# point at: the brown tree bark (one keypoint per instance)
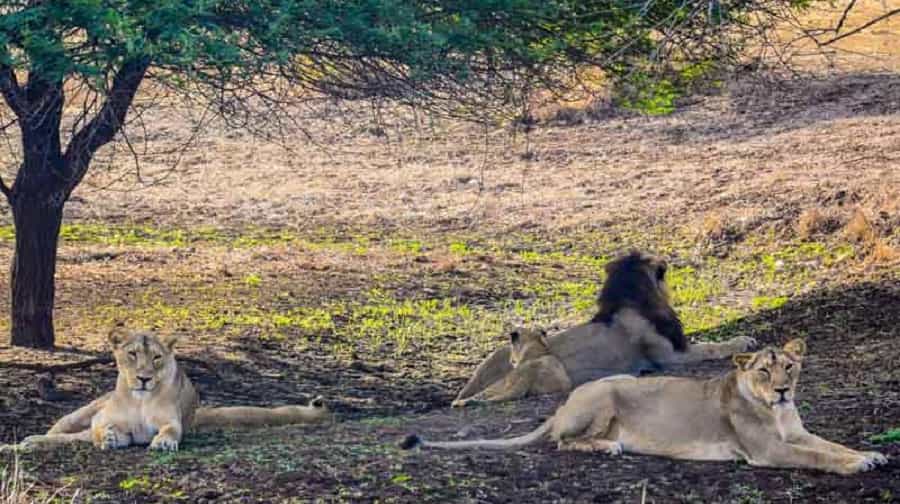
(37, 223)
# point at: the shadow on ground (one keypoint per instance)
(754, 108)
(850, 391)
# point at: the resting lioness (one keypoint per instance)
(154, 403)
(747, 414)
(536, 370)
(634, 330)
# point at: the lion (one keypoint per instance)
(154, 403)
(635, 330)
(747, 414)
(536, 370)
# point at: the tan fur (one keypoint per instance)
(629, 342)
(154, 403)
(534, 371)
(748, 414)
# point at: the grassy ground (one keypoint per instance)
(378, 266)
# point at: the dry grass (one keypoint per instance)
(860, 229)
(15, 489)
(884, 254)
(718, 230)
(813, 222)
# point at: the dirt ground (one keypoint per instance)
(377, 259)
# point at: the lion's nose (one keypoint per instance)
(782, 390)
(144, 380)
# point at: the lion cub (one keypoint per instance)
(535, 370)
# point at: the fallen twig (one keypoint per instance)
(70, 366)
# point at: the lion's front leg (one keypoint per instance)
(108, 436)
(80, 419)
(515, 386)
(505, 390)
(812, 441)
(698, 352)
(492, 370)
(779, 454)
(168, 437)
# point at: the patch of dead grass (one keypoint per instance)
(718, 228)
(813, 222)
(884, 253)
(860, 229)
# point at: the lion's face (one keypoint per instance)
(527, 344)
(144, 361)
(770, 375)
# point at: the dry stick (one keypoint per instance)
(860, 28)
(57, 368)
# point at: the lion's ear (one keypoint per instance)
(169, 341)
(117, 336)
(742, 360)
(661, 269)
(796, 348)
(544, 338)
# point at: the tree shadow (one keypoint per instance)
(853, 334)
(752, 108)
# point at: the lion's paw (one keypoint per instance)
(876, 458)
(459, 403)
(18, 447)
(866, 462)
(112, 439)
(164, 442)
(615, 448)
(31, 442)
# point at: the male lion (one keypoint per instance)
(154, 403)
(746, 414)
(634, 330)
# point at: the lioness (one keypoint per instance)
(154, 402)
(635, 329)
(536, 370)
(747, 414)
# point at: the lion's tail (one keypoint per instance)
(250, 416)
(532, 437)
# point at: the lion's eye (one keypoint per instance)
(765, 372)
(133, 355)
(789, 367)
(157, 358)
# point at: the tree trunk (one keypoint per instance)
(37, 222)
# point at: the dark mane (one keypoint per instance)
(628, 285)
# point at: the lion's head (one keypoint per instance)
(527, 344)
(638, 281)
(144, 360)
(770, 375)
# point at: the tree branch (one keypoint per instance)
(859, 28)
(5, 189)
(840, 23)
(108, 121)
(12, 93)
